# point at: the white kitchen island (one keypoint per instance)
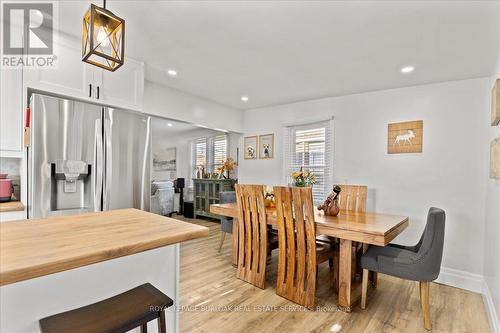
(48, 266)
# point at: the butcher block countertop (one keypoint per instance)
(38, 247)
(11, 206)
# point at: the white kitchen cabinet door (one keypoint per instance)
(71, 77)
(11, 110)
(123, 87)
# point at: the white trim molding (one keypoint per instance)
(490, 309)
(461, 279)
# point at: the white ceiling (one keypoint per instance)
(178, 128)
(161, 125)
(278, 52)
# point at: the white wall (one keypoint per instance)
(167, 102)
(182, 142)
(450, 173)
(492, 228)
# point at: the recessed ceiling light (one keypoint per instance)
(170, 125)
(172, 72)
(244, 99)
(407, 69)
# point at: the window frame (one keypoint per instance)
(209, 165)
(290, 152)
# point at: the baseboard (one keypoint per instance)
(460, 279)
(490, 309)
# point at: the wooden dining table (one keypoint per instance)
(349, 226)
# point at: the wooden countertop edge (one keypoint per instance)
(11, 206)
(27, 273)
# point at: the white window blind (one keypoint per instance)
(209, 153)
(310, 146)
(200, 153)
(219, 151)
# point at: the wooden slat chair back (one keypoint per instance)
(252, 234)
(297, 245)
(353, 197)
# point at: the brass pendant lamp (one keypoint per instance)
(103, 38)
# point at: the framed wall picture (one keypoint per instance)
(266, 146)
(405, 137)
(251, 144)
(495, 104)
(495, 159)
(165, 160)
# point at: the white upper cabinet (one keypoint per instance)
(11, 110)
(124, 87)
(71, 76)
(74, 78)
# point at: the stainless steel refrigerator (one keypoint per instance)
(86, 158)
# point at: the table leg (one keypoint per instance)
(345, 267)
(234, 259)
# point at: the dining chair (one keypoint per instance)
(421, 262)
(226, 223)
(299, 253)
(351, 198)
(254, 241)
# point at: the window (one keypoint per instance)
(219, 151)
(200, 153)
(310, 147)
(209, 153)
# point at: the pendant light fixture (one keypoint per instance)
(103, 38)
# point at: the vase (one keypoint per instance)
(300, 183)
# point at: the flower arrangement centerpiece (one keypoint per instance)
(228, 166)
(303, 178)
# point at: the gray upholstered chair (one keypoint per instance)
(421, 262)
(226, 223)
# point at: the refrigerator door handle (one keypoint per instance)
(98, 178)
(108, 153)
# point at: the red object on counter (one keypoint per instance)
(5, 188)
(28, 117)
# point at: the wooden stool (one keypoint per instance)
(118, 314)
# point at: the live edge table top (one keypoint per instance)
(365, 227)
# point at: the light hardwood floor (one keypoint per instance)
(214, 300)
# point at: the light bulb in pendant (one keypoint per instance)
(102, 37)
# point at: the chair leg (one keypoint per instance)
(424, 300)
(144, 328)
(364, 288)
(162, 327)
(222, 237)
